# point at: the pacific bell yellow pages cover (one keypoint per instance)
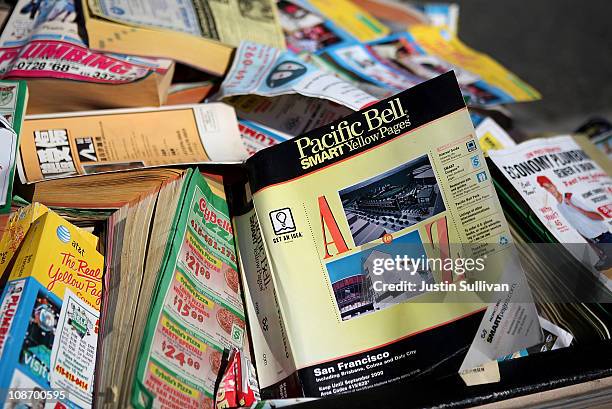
(331, 309)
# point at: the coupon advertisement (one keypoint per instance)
(217, 274)
(198, 313)
(73, 356)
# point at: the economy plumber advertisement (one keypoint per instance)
(569, 193)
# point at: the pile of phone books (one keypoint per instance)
(246, 239)
(173, 242)
(176, 246)
(104, 55)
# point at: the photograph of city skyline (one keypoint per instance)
(392, 201)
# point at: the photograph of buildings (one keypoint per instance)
(353, 278)
(392, 201)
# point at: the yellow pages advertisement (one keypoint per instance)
(49, 312)
(376, 250)
(82, 143)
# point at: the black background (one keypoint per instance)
(563, 48)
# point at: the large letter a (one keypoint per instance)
(327, 219)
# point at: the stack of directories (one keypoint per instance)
(179, 292)
(98, 54)
(239, 235)
(173, 242)
(49, 310)
(172, 302)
